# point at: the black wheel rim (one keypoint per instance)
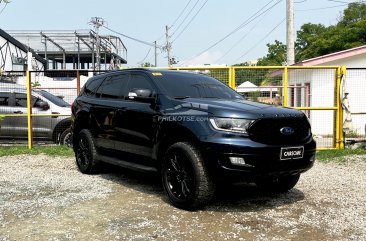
(83, 156)
(179, 177)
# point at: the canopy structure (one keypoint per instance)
(74, 49)
(246, 87)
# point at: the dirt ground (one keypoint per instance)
(46, 198)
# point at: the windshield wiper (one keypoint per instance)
(212, 97)
(181, 97)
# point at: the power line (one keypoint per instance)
(134, 39)
(145, 56)
(199, 10)
(269, 33)
(337, 1)
(185, 18)
(242, 38)
(313, 9)
(6, 4)
(243, 24)
(180, 14)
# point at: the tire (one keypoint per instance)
(185, 178)
(85, 153)
(278, 184)
(66, 138)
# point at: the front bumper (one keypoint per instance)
(261, 160)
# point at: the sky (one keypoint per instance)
(201, 32)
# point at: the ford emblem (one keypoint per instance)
(287, 131)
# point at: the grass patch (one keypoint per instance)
(330, 154)
(48, 150)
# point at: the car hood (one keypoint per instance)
(231, 108)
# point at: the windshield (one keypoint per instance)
(54, 99)
(182, 85)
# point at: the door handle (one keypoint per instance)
(18, 112)
(54, 113)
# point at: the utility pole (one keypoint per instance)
(168, 45)
(97, 22)
(290, 33)
(156, 56)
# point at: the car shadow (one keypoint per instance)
(237, 197)
(247, 197)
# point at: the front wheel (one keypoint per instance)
(278, 184)
(185, 177)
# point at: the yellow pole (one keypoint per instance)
(29, 114)
(285, 87)
(341, 73)
(232, 82)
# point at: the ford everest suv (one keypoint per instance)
(194, 130)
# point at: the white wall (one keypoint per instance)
(322, 87)
(356, 86)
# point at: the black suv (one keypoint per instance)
(193, 129)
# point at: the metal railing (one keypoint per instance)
(313, 90)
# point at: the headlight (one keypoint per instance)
(231, 124)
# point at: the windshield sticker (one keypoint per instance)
(157, 74)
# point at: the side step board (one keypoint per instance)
(126, 164)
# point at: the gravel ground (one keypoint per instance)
(46, 198)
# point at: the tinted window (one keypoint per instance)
(112, 87)
(184, 85)
(139, 81)
(91, 86)
(4, 99)
(54, 99)
(21, 100)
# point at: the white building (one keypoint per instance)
(316, 88)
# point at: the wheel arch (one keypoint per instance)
(60, 127)
(170, 134)
(80, 121)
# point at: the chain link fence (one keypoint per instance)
(355, 86)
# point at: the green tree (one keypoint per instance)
(276, 55)
(147, 64)
(314, 40)
(306, 36)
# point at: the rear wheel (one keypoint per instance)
(278, 184)
(185, 177)
(85, 153)
(66, 138)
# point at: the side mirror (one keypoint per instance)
(142, 95)
(42, 104)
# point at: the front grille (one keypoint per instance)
(267, 131)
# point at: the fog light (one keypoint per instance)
(238, 161)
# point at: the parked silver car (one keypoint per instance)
(13, 102)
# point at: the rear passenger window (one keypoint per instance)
(21, 100)
(91, 86)
(112, 87)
